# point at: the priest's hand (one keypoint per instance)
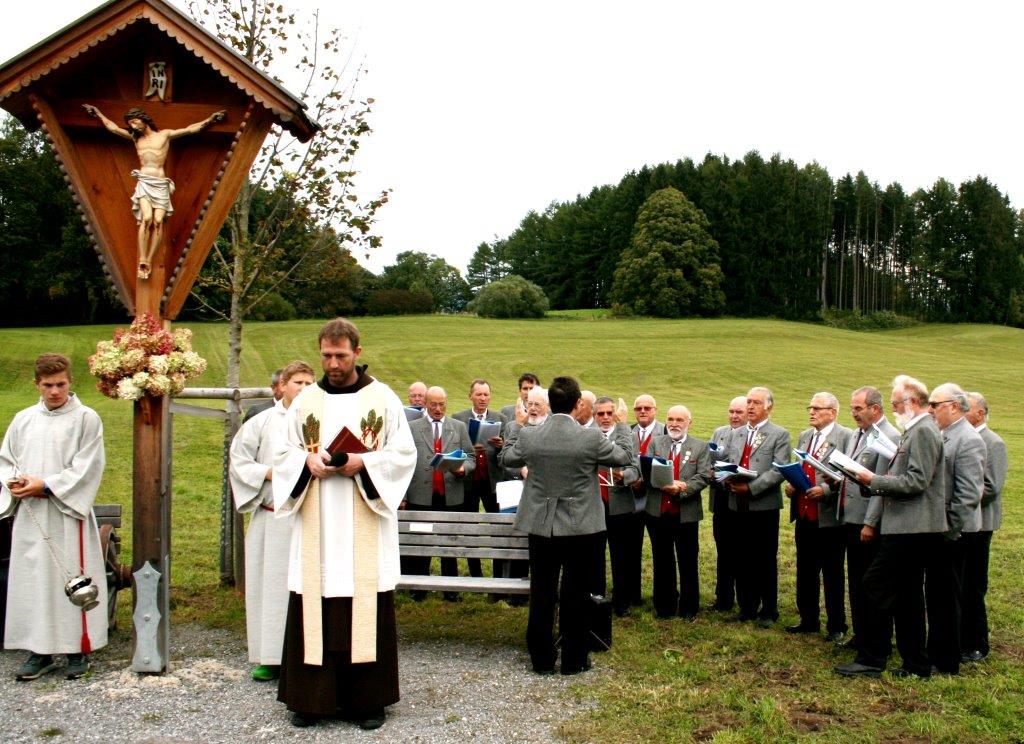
(30, 486)
(353, 466)
(317, 464)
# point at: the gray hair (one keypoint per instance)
(831, 400)
(955, 393)
(872, 395)
(538, 392)
(602, 400)
(768, 397)
(911, 387)
(977, 399)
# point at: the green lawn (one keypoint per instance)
(669, 681)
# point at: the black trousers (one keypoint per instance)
(819, 561)
(974, 616)
(338, 687)
(626, 546)
(859, 556)
(420, 565)
(571, 559)
(757, 564)
(723, 528)
(674, 546)
(894, 587)
(943, 583)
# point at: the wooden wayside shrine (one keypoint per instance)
(147, 54)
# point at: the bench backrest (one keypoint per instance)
(107, 514)
(460, 535)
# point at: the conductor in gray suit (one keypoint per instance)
(820, 543)
(974, 621)
(964, 461)
(757, 504)
(561, 511)
(855, 505)
(913, 520)
(434, 490)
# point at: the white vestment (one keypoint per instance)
(390, 469)
(154, 189)
(267, 539)
(64, 447)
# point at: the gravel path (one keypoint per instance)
(449, 694)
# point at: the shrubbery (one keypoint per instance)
(851, 321)
(511, 297)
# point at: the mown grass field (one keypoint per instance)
(666, 681)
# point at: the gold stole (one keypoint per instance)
(365, 544)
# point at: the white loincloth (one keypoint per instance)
(157, 191)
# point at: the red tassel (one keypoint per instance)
(86, 643)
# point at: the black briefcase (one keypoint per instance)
(600, 622)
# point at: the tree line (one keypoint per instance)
(50, 274)
(792, 242)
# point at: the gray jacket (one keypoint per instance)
(773, 445)
(912, 489)
(454, 435)
(995, 478)
(860, 507)
(493, 468)
(561, 495)
(963, 452)
(622, 498)
(694, 469)
(717, 494)
(828, 507)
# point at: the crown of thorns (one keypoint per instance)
(137, 113)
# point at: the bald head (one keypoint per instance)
(645, 409)
(677, 421)
(585, 410)
(738, 411)
(417, 394)
(437, 402)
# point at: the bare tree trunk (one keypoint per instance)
(855, 259)
(842, 264)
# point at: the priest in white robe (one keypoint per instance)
(267, 539)
(340, 652)
(51, 464)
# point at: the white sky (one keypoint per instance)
(487, 110)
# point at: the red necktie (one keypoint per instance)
(603, 478)
(669, 505)
(645, 442)
(438, 475)
(805, 508)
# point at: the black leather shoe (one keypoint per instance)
(850, 643)
(904, 672)
(567, 671)
(302, 720)
(969, 656)
(836, 637)
(374, 721)
(801, 628)
(856, 669)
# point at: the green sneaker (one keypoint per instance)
(266, 672)
(78, 666)
(36, 666)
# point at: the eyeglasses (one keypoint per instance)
(604, 413)
(819, 408)
(933, 404)
(643, 408)
(898, 402)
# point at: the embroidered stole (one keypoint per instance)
(365, 539)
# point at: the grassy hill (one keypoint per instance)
(672, 680)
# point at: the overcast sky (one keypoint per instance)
(487, 110)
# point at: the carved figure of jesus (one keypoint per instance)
(151, 201)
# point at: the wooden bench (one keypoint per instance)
(461, 535)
